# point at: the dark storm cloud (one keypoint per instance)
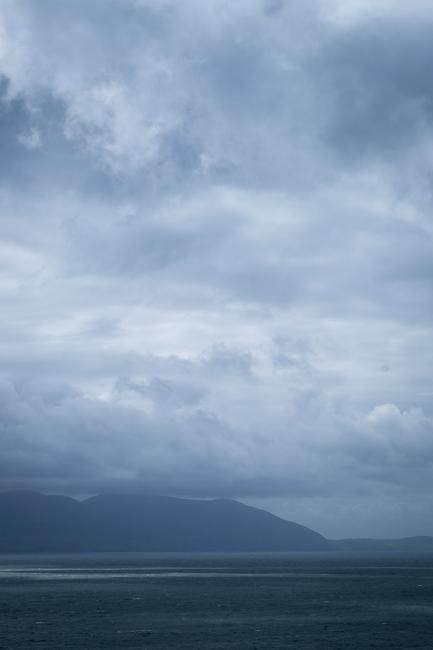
(216, 252)
(382, 104)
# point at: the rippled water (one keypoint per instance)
(207, 601)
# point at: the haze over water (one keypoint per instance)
(215, 601)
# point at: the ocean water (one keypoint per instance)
(215, 601)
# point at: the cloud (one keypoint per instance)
(216, 251)
(30, 139)
(162, 431)
(349, 14)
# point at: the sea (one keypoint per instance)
(214, 601)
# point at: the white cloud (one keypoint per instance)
(30, 139)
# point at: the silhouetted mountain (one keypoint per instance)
(405, 544)
(32, 522)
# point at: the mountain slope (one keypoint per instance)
(34, 522)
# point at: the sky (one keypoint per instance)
(216, 254)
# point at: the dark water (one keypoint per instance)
(209, 601)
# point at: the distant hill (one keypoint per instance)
(33, 522)
(403, 545)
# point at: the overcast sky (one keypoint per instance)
(216, 255)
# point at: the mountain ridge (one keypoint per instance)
(31, 521)
(34, 522)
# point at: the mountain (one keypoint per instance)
(32, 522)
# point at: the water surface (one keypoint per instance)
(214, 601)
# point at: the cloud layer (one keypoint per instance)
(216, 254)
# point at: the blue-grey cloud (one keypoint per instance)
(216, 253)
